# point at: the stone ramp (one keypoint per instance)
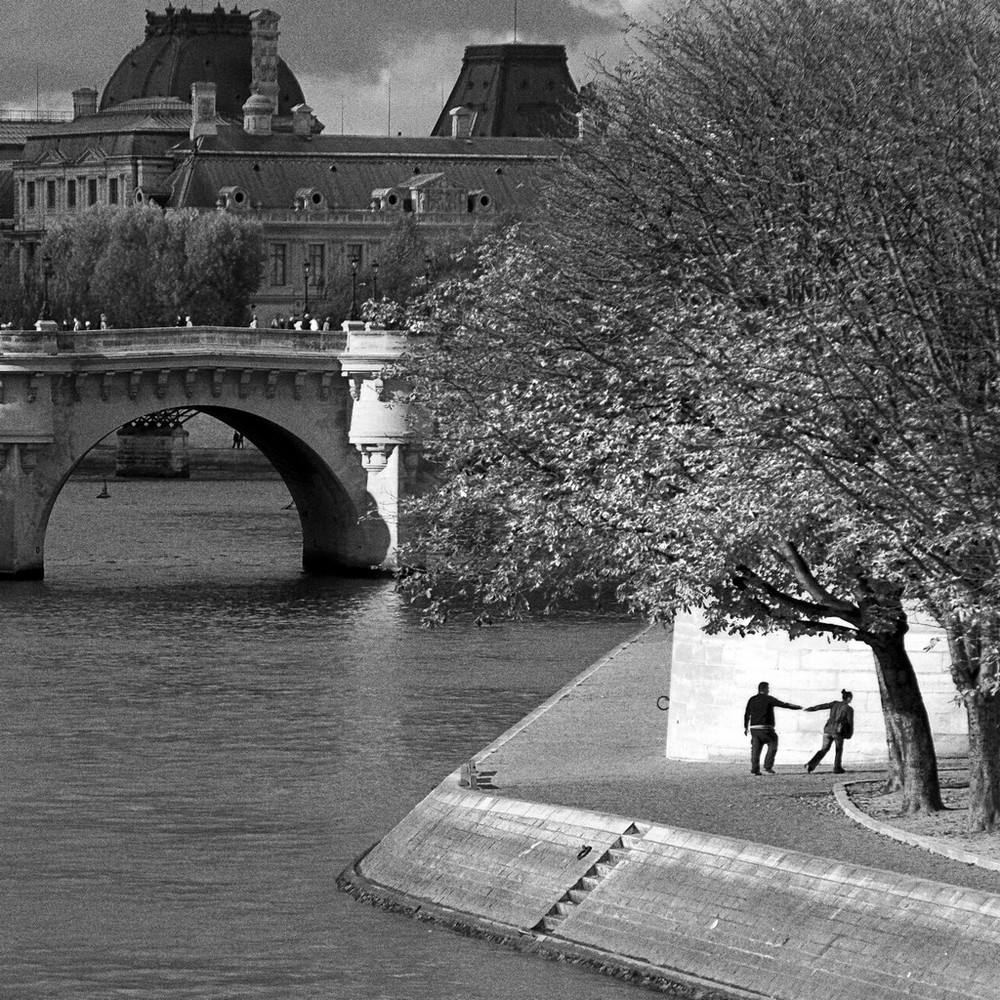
(520, 857)
(727, 918)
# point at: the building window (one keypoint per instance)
(30, 194)
(278, 264)
(50, 194)
(317, 264)
(71, 194)
(112, 190)
(354, 253)
(91, 190)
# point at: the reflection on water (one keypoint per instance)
(196, 739)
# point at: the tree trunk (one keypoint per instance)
(893, 736)
(907, 724)
(983, 711)
(974, 658)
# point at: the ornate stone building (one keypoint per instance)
(205, 114)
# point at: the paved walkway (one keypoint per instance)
(600, 746)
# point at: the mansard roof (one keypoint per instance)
(514, 89)
(147, 133)
(347, 169)
(173, 117)
(15, 133)
(77, 148)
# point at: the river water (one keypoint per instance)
(195, 739)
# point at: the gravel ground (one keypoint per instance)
(791, 809)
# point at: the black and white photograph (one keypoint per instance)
(500, 500)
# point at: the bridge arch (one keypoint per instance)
(293, 403)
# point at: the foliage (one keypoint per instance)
(749, 362)
(411, 258)
(16, 300)
(143, 267)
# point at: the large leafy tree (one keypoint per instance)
(750, 361)
(583, 452)
(142, 267)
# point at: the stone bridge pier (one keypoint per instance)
(320, 405)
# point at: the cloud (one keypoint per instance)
(348, 54)
(371, 35)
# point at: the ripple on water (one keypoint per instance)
(197, 739)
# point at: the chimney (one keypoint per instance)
(257, 115)
(203, 109)
(264, 55)
(302, 119)
(84, 102)
(462, 120)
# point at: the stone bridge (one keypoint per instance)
(320, 405)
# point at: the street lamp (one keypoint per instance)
(354, 287)
(46, 274)
(305, 276)
(375, 281)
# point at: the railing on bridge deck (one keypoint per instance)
(172, 339)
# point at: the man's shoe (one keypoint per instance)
(768, 770)
(810, 767)
(839, 770)
(756, 774)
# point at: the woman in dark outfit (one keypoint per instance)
(839, 727)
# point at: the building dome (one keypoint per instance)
(182, 47)
(256, 103)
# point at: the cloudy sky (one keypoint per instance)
(369, 66)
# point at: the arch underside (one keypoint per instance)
(337, 536)
(342, 532)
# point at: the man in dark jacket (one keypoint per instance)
(758, 721)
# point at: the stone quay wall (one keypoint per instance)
(702, 915)
(717, 917)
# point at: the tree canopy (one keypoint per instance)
(747, 359)
(144, 267)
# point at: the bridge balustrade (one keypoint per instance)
(172, 339)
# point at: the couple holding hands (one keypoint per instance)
(758, 723)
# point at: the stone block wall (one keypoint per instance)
(712, 676)
(152, 453)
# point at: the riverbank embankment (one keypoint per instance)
(204, 463)
(693, 877)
